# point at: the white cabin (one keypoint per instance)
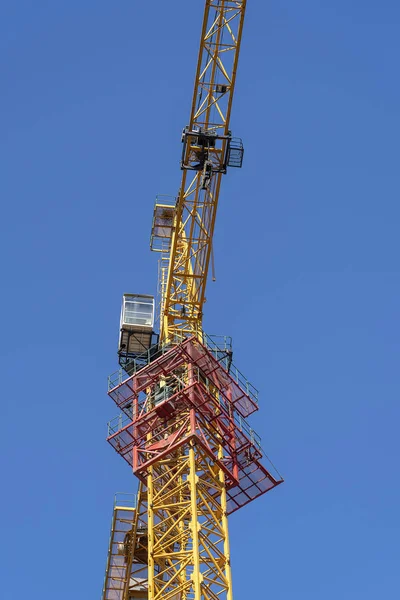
(137, 322)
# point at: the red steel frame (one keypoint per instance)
(206, 405)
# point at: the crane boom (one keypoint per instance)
(208, 149)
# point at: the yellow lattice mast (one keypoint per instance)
(183, 427)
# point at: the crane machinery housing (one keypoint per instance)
(183, 404)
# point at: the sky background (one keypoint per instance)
(94, 96)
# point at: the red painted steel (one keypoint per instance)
(187, 394)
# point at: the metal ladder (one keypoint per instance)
(118, 569)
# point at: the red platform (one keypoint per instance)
(199, 400)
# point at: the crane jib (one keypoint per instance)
(208, 150)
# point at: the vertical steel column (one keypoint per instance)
(150, 535)
(195, 525)
(224, 520)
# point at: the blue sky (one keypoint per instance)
(94, 96)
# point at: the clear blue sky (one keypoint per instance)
(94, 96)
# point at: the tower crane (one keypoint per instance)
(183, 404)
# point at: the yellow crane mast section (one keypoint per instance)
(183, 285)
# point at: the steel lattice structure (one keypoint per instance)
(194, 219)
(183, 426)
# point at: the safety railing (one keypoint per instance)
(249, 432)
(136, 364)
(218, 345)
(125, 500)
(118, 423)
(244, 383)
(122, 420)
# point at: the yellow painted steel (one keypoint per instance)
(126, 569)
(183, 505)
(188, 537)
(183, 294)
(189, 556)
(118, 568)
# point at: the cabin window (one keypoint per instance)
(138, 311)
